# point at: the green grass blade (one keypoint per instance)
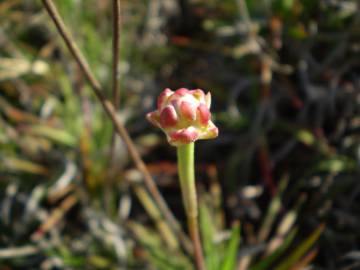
(301, 250)
(54, 134)
(232, 249)
(265, 263)
(212, 258)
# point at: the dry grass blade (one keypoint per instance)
(55, 217)
(18, 252)
(21, 165)
(308, 258)
(110, 111)
(163, 228)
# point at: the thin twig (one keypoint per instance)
(110, 111)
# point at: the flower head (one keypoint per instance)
(184, 115)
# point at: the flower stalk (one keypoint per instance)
(185, 154)
(184, 116)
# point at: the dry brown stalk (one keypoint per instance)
(120, 129)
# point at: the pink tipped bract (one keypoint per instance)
(184, 115)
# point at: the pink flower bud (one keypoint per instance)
(188, 110)
(203, 114)
(168, 117)
(184, 116)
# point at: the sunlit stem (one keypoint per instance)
(185, 154)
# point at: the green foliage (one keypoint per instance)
(212, 252)
(300, 250)
(265, 263)
(230, 258)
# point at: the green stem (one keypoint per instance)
(185, 155)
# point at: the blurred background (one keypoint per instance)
(278, 189)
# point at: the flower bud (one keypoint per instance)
(184, 115)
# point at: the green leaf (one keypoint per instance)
(57, 135)
(284, 7)
(287, 4)
(305, 136)
(212, 258)
(273, 211)
(99, 262)
(229, 261)
(301, 250)
(162, 258)
(265, 263)
(336, 164)
(21, 165)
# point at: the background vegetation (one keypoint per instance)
(279, 189)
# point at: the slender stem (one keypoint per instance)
(109, 182)
(110, 111)
(116, 52)
(185, 155)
